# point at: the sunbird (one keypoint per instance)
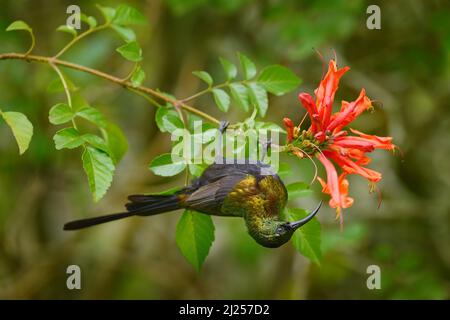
(251, 191)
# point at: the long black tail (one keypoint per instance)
(139, 205)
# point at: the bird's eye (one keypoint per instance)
(280, 230)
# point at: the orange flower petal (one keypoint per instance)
(310, 106)
(351, 167)
(332, 179)
(327, 89)
(349, 111)
(289, 129)
(345, 200)
(359, 156)
(355, 142)
(378, 142)
(324, 185)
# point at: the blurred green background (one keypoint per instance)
(405, 66)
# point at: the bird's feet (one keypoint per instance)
(223, 126)
(266, 146)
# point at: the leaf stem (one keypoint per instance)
(111, 78)
(186, 177)
(209, 89)
(79, 37)
(128, 77)
(33, 43)
(146, 97)
(198, 94)
(66, 89)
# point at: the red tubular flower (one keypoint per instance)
(349, 112)
(332, 180)
(349, 166)
(311, 108)
(353, 143)
(378, 142)
(331, 144)
(289, 129)
(345, 200)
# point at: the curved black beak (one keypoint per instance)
(297, 224)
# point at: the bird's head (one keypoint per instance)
(272, 233)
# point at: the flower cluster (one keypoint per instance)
(327, 139)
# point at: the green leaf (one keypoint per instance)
(131, 51)
(138, 76)
(125, 33)
(196, 169)
(96, 141)
(194, 237)
(230, 69)
(21, 128)
(169, 191)
(56, 85)
(107, 12)
(115, 140)
(19, 25)
(306, 239)
(284, 170)
(240, 95)
(93, 115)
(258, 98)
(207, 135)
(278, 79)
(206, 126)
(163, 165)
(78, 102)
(193, 121)
(248, 67)
(222, 99)
(205, 76)
(269, 126)
(204, 132)
(60, 113)
(68, 138)
(168, 120)
(67, 29)
(91, 21)
(172, 122)
(126, 15)
(298, 189)
(99, 169)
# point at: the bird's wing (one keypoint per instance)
(209, 198)
(218, 171)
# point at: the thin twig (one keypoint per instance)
(106, 76)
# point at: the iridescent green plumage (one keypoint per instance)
(260, 203)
